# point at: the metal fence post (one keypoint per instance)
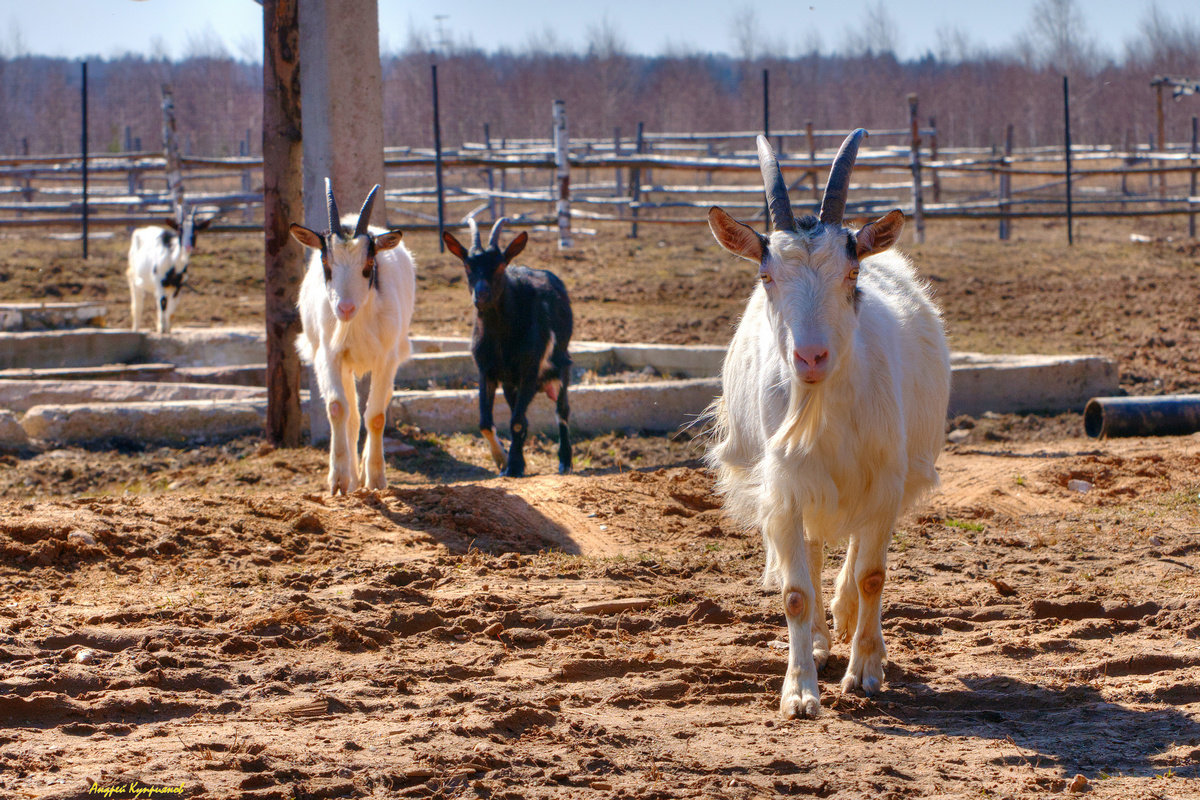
(562, 171)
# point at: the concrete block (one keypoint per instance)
(693, 361)
(51, 316)
(108, 372)
(206, 347)
(88, 347)
(1007, 384)
(655, 405)
(174, 422)
(21, 396)
(12, 435)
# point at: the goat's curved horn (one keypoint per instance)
(335, 224)
(774, 188)
(494, 236)
(833, 203)
(475, 245)
(364, 215)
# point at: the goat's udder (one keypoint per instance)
(551, 388)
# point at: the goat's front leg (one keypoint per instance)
(487, 425)
(784, 529)
(339, 402)
(865, 573)
(164, 322)
(378, 400)
(135, 304)
(518, 398)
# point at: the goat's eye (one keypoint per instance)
(765, 277)
(852, 275)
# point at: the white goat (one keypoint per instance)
(833, 414)
(356, 305)
(158, 262)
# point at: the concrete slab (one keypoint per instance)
(21, 396)
(206, 347)
(86, 347)
(1008, 384)
(12, 436)
(107, 372)
(692, 361)
(654, 405)
(176, 422)
(51, 316)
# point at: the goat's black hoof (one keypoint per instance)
(513, 471)
(564, 469)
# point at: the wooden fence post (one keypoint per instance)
(766, 131)
(812, 159)
(1006, 185)
(283, 184)
(1067, 154)
(618, 190)
(171, 153)
(915, 163)
(562, 171)
(83, 146)
(489, 174)
(935, 182)
(1192, 178)
(437, 167)
(635, 184)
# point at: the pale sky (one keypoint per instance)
(107, 28)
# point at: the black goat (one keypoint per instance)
(523, 325)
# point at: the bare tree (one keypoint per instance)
(1057, 37)
(874, 33)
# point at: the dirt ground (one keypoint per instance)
(208, 620)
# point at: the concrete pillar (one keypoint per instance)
(341, 108)
(341, 105)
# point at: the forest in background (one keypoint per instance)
(974, 93)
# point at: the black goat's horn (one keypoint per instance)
(475, 245)
(494, 236)
(364, 215)
(833, 203)
(774, 188)
(335, 224)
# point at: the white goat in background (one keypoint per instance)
(833, 414)
(356, 305)
(158, 262)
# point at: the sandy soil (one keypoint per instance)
(209, 619)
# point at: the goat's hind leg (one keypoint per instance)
(866, 573)
(820, 626)
(487, 425)
(563, 410)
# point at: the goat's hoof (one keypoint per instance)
(869, 683)
(564, 469)
(820, 657)
(799, 706)
(511, 471)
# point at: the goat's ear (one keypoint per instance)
(203, 226)
(454, 247)
(389, 240)
(171, 223)
(736, 237)
(305, 237)
(515, 246)
(877, 236)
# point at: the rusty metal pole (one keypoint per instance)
(915, 163)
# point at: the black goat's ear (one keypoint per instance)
(389, 240)
(305, 237)
(454, 246)
(203, 226)
(172, 224)
(516, 246)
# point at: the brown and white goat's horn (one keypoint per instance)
(494, 236)
(335, 224)
(364, 215)
(774, 188)
(833, 203)
(475, 245)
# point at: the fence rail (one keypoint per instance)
(703, 168)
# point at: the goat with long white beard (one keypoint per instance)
(835, 389)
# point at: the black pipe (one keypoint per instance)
(437, 166)
(83, 147)
(1067, 154)
(1166, 415)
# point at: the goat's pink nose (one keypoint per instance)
(811, 362)
(346, 308)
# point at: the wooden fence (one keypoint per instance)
(646, 178)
